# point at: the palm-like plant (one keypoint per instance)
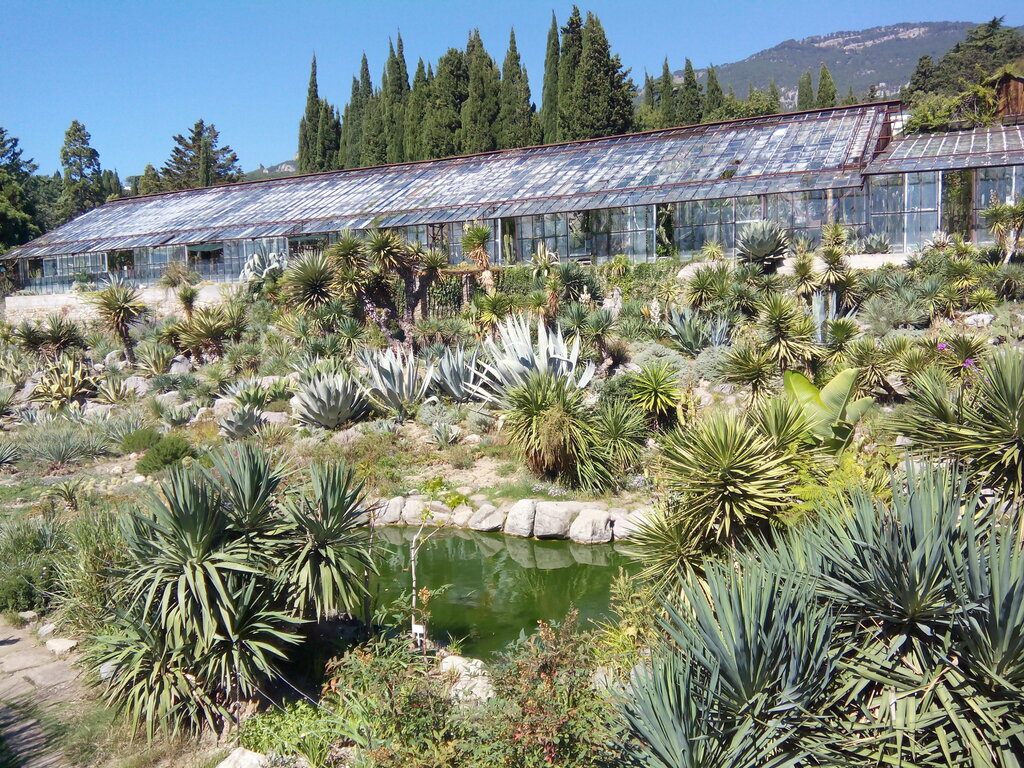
(120, 305)
(748, 365)
(786, 331)
(1006, 223)
(474, 244)
(655, 390)
(311, 280)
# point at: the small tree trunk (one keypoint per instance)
(129, 345)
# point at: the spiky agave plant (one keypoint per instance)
(456, 374)
(763, 243)
(394, 382)
(329, 400)
(66, 380)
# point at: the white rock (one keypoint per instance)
(471, 439)
(623, 529)
(391, 513)
(107, 670)
(243, 758)
(471, 680)
(413, 512)
(519, 521)
(275, 417)
(553, 518)
(979, 320)
(461, 515)
(61, 646)
(28, 615)
(171, 398)
(487, 518)
(181, 364)
(139, 479)
(47, 629)
(591, 526)
(222, 406)
(137, 383)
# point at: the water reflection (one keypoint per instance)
(499, 584)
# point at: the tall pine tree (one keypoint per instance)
(569, 55)
(199, 160)
(353, 117)
(80, 189)
(826, 89)
(714, 100)
(691, 99)
(480, 110)
(805, 92)
(515, 115)
(774, 98)
(549, 95)
(16, 215)
(393, 96)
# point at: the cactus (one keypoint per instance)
(329, 400)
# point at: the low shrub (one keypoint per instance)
(169, 450)
(140, 440)
(28, 549)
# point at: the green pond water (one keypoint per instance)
(500, 585)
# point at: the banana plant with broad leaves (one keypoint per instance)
(831, 412)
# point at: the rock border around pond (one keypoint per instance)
(583, 522)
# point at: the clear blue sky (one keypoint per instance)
(136, 72)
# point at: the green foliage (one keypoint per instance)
(655, 390)
(168, 451)
(329, 401)
(830, 412)
(140, 440)
(28, 549)
(65, 381)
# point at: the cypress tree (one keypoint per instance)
(393, 96)
(826, 89)
(309, 125)
(603, 96)
(515, 116)
(80, 186)
(805, 92)
(774, 98)
(17, 208)
(480, 110)
(569, 55)
(415, 113)
(328, 137)
(850, 98)
(715, 99)
(374, 148)
(443, 122)
(549, 94)
(352, 124)
(690, 106)
(667, 112)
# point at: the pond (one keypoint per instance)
(500, 585)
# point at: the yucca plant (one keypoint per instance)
(9, 454)
(329, 400)
(59, 334)
(655, 390)
(475, 240)
(154, 358)
(623, 434)
(785, 331)
(749, 365)
(207, 331)
(120, 305)
(311, 280)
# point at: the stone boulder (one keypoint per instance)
(137, 384)
(624, 529)
(181, 364)
(591, 526)
(487, 518)
(391, 513)
(979, 320)
(471, 680)
(222, 406)
(553, 518)
(414, 512)
(61, 646)
(243, 758)
(519, 521)
(114, 360)
(275, 417)
(169, 399)
(461, 515)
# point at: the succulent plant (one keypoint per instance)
(249, 393)
(443, 433)
(763, 242)
(261, 266)
(114, 392)
(876, 243)
(394, 381)
(456, 374)
(179, 416)
(65, 380)
(329, 400)
(9, 454)
(240, 423)
(153, 357)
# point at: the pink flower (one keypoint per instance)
(942, 347)
(969, 362)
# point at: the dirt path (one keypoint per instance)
(32, 674)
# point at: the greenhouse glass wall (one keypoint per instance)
(646, 196)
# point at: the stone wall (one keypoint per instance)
(17, 308)
(584, 522)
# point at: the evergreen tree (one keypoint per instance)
(352, 121)
(826, 89)
(549, 95)
(647, 112)
(850, 98)
(81, 190)
(374, 147)
(985, 49)
(43, 193)
(667, 111)
(774, 98)
(328, 137)
(309, 125)
(443, 121)
(715, 99)
(691, 98)
(922, 78)
(872, 95)
(569, 55)
(393, 95)
(805, 92)
(17, 223)
(415, 113)
(480, 110)
(200, 158)
(149, 182)
(515, 115)
(602, 99)
(110, 185)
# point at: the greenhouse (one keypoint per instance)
(646, 195)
